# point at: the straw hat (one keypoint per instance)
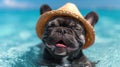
(69, 10)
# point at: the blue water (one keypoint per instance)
(18, 39)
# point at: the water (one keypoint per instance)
(18, 39)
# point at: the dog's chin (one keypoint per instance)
(60, 51)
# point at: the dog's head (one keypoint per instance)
(65, 35)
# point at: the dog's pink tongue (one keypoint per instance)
(60, 45)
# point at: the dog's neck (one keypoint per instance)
(61, 60)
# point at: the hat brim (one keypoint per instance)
(89, 30)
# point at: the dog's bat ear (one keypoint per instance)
(92, 18)
(44, 8)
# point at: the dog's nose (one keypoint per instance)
(62, 31)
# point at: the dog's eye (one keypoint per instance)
(78, 27)
(72, 25)
(51, 24)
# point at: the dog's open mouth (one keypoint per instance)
(61, 48)
(61, 44)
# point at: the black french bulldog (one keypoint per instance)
(63, 39)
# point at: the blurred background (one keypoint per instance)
(18, 37)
